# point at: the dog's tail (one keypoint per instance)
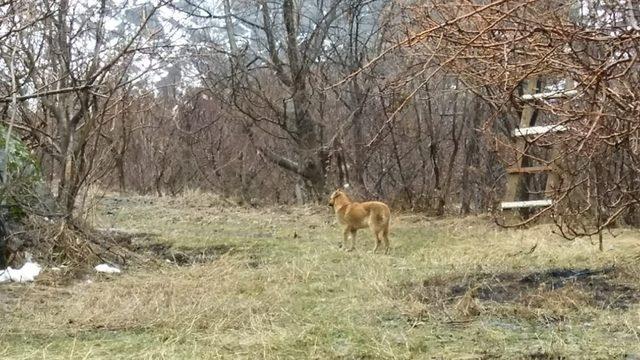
(383, 217)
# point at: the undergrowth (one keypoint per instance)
(234, 282)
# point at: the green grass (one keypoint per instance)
(287, 291)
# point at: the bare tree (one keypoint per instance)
(75, 70)
(494, 47)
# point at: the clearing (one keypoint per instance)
(272, 283)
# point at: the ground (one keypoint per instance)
(273, 283)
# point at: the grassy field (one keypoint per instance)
(272, 283)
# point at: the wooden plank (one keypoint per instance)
(522, 204)
(529, 170)
(538, 130)
(550, 95)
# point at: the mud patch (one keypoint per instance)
(126, 238)
(183, 256)
(544, 356)
(603, 288)
(146, 244)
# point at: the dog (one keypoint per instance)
(372, 214)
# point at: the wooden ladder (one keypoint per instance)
(528, 129)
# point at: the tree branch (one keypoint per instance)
(8, 99)
(279, 160)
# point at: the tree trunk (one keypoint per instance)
(308, 144)
(470, 160)
(358, 135)
(434, 149)
(455, 138)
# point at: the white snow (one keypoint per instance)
(106, 268)
(26, 273)
(550, 95)
(529, 203)
(537, 130)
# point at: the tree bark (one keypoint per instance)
(471, 160)
(308, 143)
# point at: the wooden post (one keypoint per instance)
(554, 175)
(513, 178)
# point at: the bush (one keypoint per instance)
(21, 191)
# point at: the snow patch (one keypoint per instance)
(28, 272)
(106, 268)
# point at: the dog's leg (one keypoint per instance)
(353, 239)
(345, 243)
(376, 233)
(385, 236)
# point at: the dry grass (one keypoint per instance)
(282, 289)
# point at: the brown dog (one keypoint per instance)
(372, 214)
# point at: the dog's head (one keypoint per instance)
(334, 196)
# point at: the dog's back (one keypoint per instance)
(374, 214)
(379, 211)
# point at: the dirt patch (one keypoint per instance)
(183, 256)
(602, 288)
(7, 300)
(146, 244)
(126, 238)
(544, 356)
